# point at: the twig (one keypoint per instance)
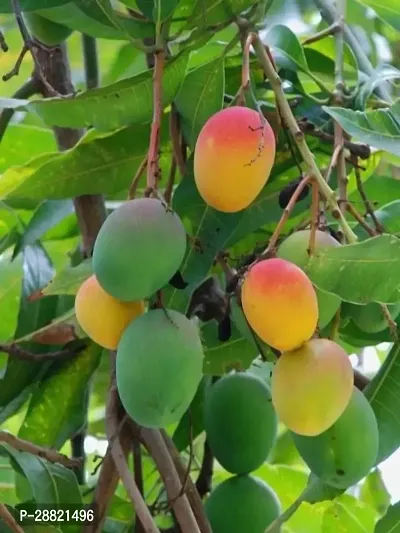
(53, 456)
(330, 30)
(353, 211)
(332, 163)
(171, 180)
(191, 490)
(204, 480)
(138, 474)
(3, 42)
(390, 322)
(335, 325)
(153, 168)
(285, 215)
(246, 45)
(136, 179)
(28, 89)
(16, 351)
(155, 444)
(17, 66)
(177, 148)
(368, 205)
(9, 520)
(117, 452)
(298, 136)
(314, 217)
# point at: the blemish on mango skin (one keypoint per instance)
(233, 158)
(280, 304)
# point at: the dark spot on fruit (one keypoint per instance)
(340, 472)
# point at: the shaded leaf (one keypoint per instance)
(381, 74)
(70, 279)
(282, 39)
(359, 273)
(10, 289)
(390, 523)
(201, 95)
(127, 101)
(379, 128)
(374, 492)
(30, 5)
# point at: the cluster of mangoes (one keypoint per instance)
(137, 251)
(312, 384)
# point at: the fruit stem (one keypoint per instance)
(274, 527)
(299, 136)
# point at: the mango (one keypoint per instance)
(45, 31)
(370, 318)
(240, 422)
(102, 317)
(312, 386)
(233, 158)
(139, 248)
(242, 504)
(345, 453)
(159, 367)
(295, 249)
(280, 303)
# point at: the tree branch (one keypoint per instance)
(204, 480)
(9, 520)
(16, 351)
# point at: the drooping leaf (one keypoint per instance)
(70, 279)
(384, 396)
(378, 128)
(359, 273)
(374, 492)
(388, 11)
(54, 408)
(390, 523)
(201, 95)
(128, 101)
(381, 74)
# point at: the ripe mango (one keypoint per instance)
(159, 367)
(370, 318)
(101, 316)
(345, 453)
(45, 31)
(233, 158)
(240, 422)
(280, 303)
(242, 504)
(295, 249)
(312, 386)
(138, 249)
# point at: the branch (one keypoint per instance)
(330, 30)
(153, 168)
(53, 456)
(204, 480)
(298, 136)
(156, 446)
(91, 61)
(9, 520)
(368, 206)
(28, 89)
(16, 351)
(3, 43)
(353, 211)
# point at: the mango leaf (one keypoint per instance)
(390, 523)
(384, 396)
(374, 492)
(157, 10)
(388, 215)
(359, 273)
(347, 514)
(208, 12)
(284, 41)
(104, 165)
(36, 473)
(53, 409)
(70, 279)
(201, 95)
(10, 289)
(379, 128)
(381, 74)
(30, 5)
(47, 215)
(388, 11)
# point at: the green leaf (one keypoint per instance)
(53, 410)
(381, 74)
(388, 215)
(70, 279)
(128, 101)
(201, 95)
(282, 39)
(374, 492)
(48, 214)
(344, 515)
(390, 523)
(364, 272)
(208, 12)
(36, 473)
(30, 5)
(379, 128)
(388, 11)
(157, 10)
(10, 288)
(384, 396)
